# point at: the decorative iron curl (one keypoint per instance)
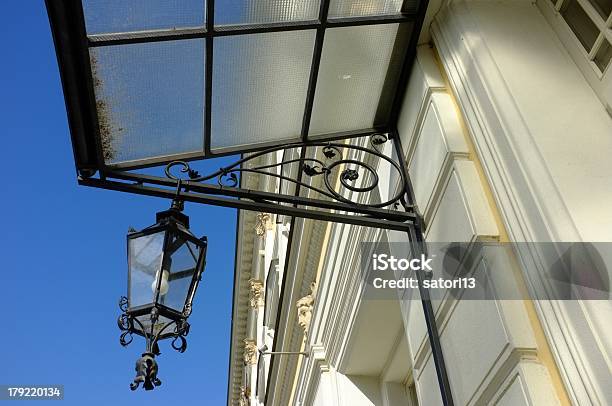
(228, 179)
(333, 153)
(123, 303)
(179, 343)
(126, 338)
(125, 323)
(378, 139)
(146, 367)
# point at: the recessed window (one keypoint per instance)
(581, 24)
(590, 22)
(603, 7)
(603, 56)
(585, 27)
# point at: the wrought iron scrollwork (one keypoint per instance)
(146, 366)
(356, 175)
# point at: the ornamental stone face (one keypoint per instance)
(304, 306)
(250, 352)
(256, 296)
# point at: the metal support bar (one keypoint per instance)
(314, 69)
(284, 353)
(417, 247)
(254, 195)
(208, 72)
(248, 205)
(68, 30)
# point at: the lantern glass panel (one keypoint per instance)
(144, 262)
(178, 272)
(145, 320)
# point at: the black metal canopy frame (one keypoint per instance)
(320, 159)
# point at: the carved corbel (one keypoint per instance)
(262, 223)
(245, 394)
(250, 352)
(256, 293)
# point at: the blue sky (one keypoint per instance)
(63, 251)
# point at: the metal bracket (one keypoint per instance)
(332, 181)
(264, 351)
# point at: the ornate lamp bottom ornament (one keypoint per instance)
(146, 365)
(146, 372)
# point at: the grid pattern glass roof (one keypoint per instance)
(190, 79)
(265, 11)
(262, 100)
(354, 65)
(107, 16)
(149, 98)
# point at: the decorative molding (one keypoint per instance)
(530, 204)
(319, 330)
(245, 251)
(250, 352)
(256, 293)
(305, 306)
(245, 395)
(262, 223)
(439, 105)
(318, 356)
(313, 376)
(311, 244)
(243, 271)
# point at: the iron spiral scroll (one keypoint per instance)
(146, 365)
(335, 157)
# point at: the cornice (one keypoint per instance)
(243, 269)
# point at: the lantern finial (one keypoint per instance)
(146, 372)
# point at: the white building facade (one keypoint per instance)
(507, 132)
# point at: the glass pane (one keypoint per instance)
(144, 262)
(361, 8)
(580, 23)
(265, 11)
(149, 98)
(178, 274)
(259, 87)
(352, 74)
(145, 320)
(106, 16)
(603, 7)
(602, 58)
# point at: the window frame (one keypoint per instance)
(600, 81)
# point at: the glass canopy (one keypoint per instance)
(151, 81)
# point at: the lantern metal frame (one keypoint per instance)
(171, 222)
